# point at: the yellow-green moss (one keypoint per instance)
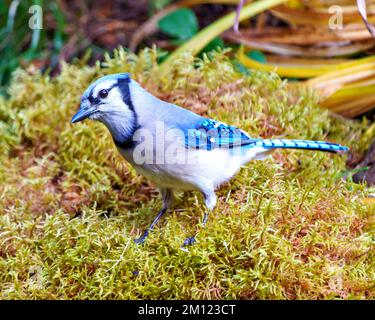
(288, 227)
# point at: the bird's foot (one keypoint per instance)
(142, 238)
(189, 241)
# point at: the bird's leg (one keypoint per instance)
(167, 196)
(143, 237)
(210, 202)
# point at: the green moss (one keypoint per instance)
(285, 228)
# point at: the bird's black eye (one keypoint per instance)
(103, 93)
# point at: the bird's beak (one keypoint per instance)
(83, 112)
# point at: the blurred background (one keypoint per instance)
(323, 44)
(326, 45)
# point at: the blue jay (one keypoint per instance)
(174, 147)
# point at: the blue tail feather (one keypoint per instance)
(300, 144)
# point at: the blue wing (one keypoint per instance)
(211, 134)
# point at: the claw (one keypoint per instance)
(189, 241)
(142, 238)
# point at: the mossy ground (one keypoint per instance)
(285, 228)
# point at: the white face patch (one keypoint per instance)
(113, 104)
(103, 85)
(114, 112)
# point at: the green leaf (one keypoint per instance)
(214, 45)
(181, 24)
(161, 55)
(257, 56)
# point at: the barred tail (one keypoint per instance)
(300, 144)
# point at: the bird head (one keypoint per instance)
(109, 95)
(108, 100)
